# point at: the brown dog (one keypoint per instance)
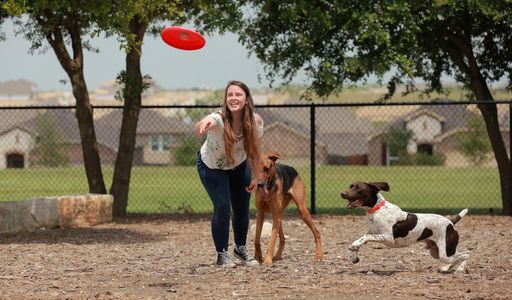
(278, 184)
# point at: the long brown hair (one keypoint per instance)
(251, 139)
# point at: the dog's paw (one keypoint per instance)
(353, 248)
(267, 262)
(258, 257)
(445, 269)
(354, 258)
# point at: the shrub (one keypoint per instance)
(420, 159)
(185, 154)
(474, 144)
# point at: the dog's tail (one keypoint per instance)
(457, 218)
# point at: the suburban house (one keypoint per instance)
(20, 89)
(344, 134)
(48, 137)
(51, 137)
(341, 137)
(15, 141)
(157, 135)
(108, 90)
(434, 130)
(283, 134)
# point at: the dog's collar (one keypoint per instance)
(269, 184)
(377, 206)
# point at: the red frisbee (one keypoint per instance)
(183, 38)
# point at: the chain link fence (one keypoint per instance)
(436, 156)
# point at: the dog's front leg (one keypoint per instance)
(260, 218)
(276, 225)
(354, 248)
(281, 244)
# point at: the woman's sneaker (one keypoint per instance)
(223, 260)
(243, 255)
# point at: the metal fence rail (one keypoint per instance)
(435, 156)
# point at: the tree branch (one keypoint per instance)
(54, 37)
(456, 52)
(76, 41)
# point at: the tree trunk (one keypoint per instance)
(132, 101)
(461, 49)
(89, 143)
(490, 115)
(74, 69)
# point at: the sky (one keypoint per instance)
(222, 59)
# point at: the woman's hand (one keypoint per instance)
(203, 126)
(252, 186)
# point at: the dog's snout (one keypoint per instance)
(343, 194)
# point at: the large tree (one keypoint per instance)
(132, 20)
(341, 42)
(64, 25)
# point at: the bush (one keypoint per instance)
(185, 154)
(474, 144)
(420, 159)
(50, 142)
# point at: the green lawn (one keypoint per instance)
(417, 188)
(178, 189)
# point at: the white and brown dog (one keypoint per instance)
(390, 225)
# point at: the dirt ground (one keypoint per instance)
(167, 258)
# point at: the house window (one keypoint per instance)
(166, 142)
(426, 149)
(159, 142)
(155, 141)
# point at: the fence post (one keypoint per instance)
(313, 156)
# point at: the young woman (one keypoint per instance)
(224, 164)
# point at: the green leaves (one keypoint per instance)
(13, 8)
(131, 86)
(474, 143)
(337, 42)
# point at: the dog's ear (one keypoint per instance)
(381, 186)
(273, 156)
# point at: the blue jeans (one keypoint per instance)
(226, 189)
